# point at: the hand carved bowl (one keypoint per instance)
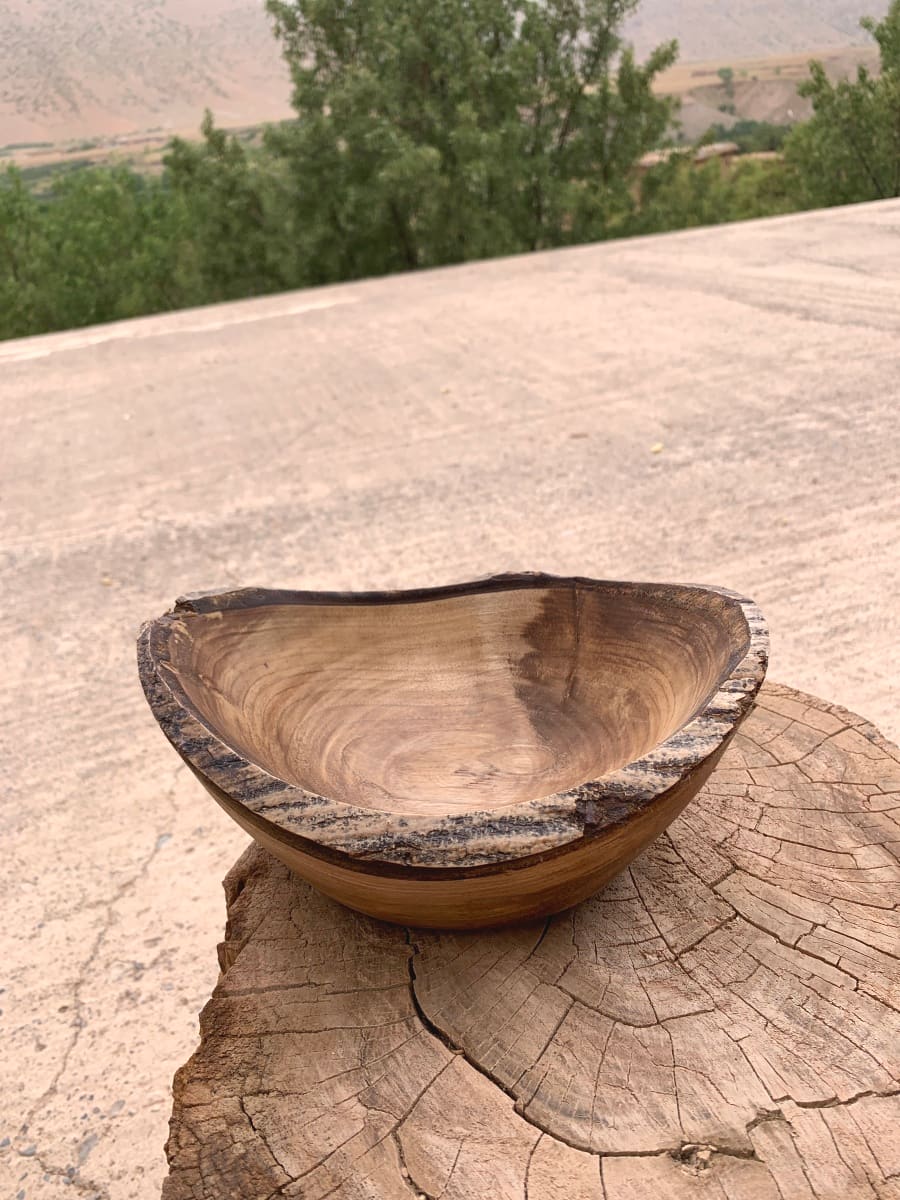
(462, 756)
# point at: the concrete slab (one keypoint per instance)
(397, 432)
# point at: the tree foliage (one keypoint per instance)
(751, 137)
(679, 195)
(850, 149)
(103, 248)
(229, 244)
(435, 131)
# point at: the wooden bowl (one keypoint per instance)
(457, 757)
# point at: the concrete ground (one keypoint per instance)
(398, 432)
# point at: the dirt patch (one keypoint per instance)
(761, 89)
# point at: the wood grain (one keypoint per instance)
(722, 1021)
(456, 756)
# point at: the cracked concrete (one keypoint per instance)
(399, 432)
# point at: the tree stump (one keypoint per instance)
(721, 1021)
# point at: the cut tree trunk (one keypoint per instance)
(721, 1021)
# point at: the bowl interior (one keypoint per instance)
(459, 703)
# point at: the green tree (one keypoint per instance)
(751, 136)
(100, 247)
(435, 131)
(231, 243)
(19, 232)
(760, 189)
(677, 194)
(850, 149)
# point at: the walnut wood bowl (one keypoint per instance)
(457, 757)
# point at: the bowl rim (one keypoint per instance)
(488, 838)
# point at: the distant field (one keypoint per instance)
(776, 68)
(763, 89)
(42, 164)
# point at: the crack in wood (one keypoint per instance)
(835, 1102)
(702, 1019)
(260, 1133)
(445, 1040)
(418, 1192)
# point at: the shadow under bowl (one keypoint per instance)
(456, 757)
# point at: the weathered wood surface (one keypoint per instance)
(722, 1021)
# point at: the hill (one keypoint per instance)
(723, 29)
(761, 89)
(86, 68)
(74, 69)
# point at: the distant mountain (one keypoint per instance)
(723, 29)
(84, 68)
